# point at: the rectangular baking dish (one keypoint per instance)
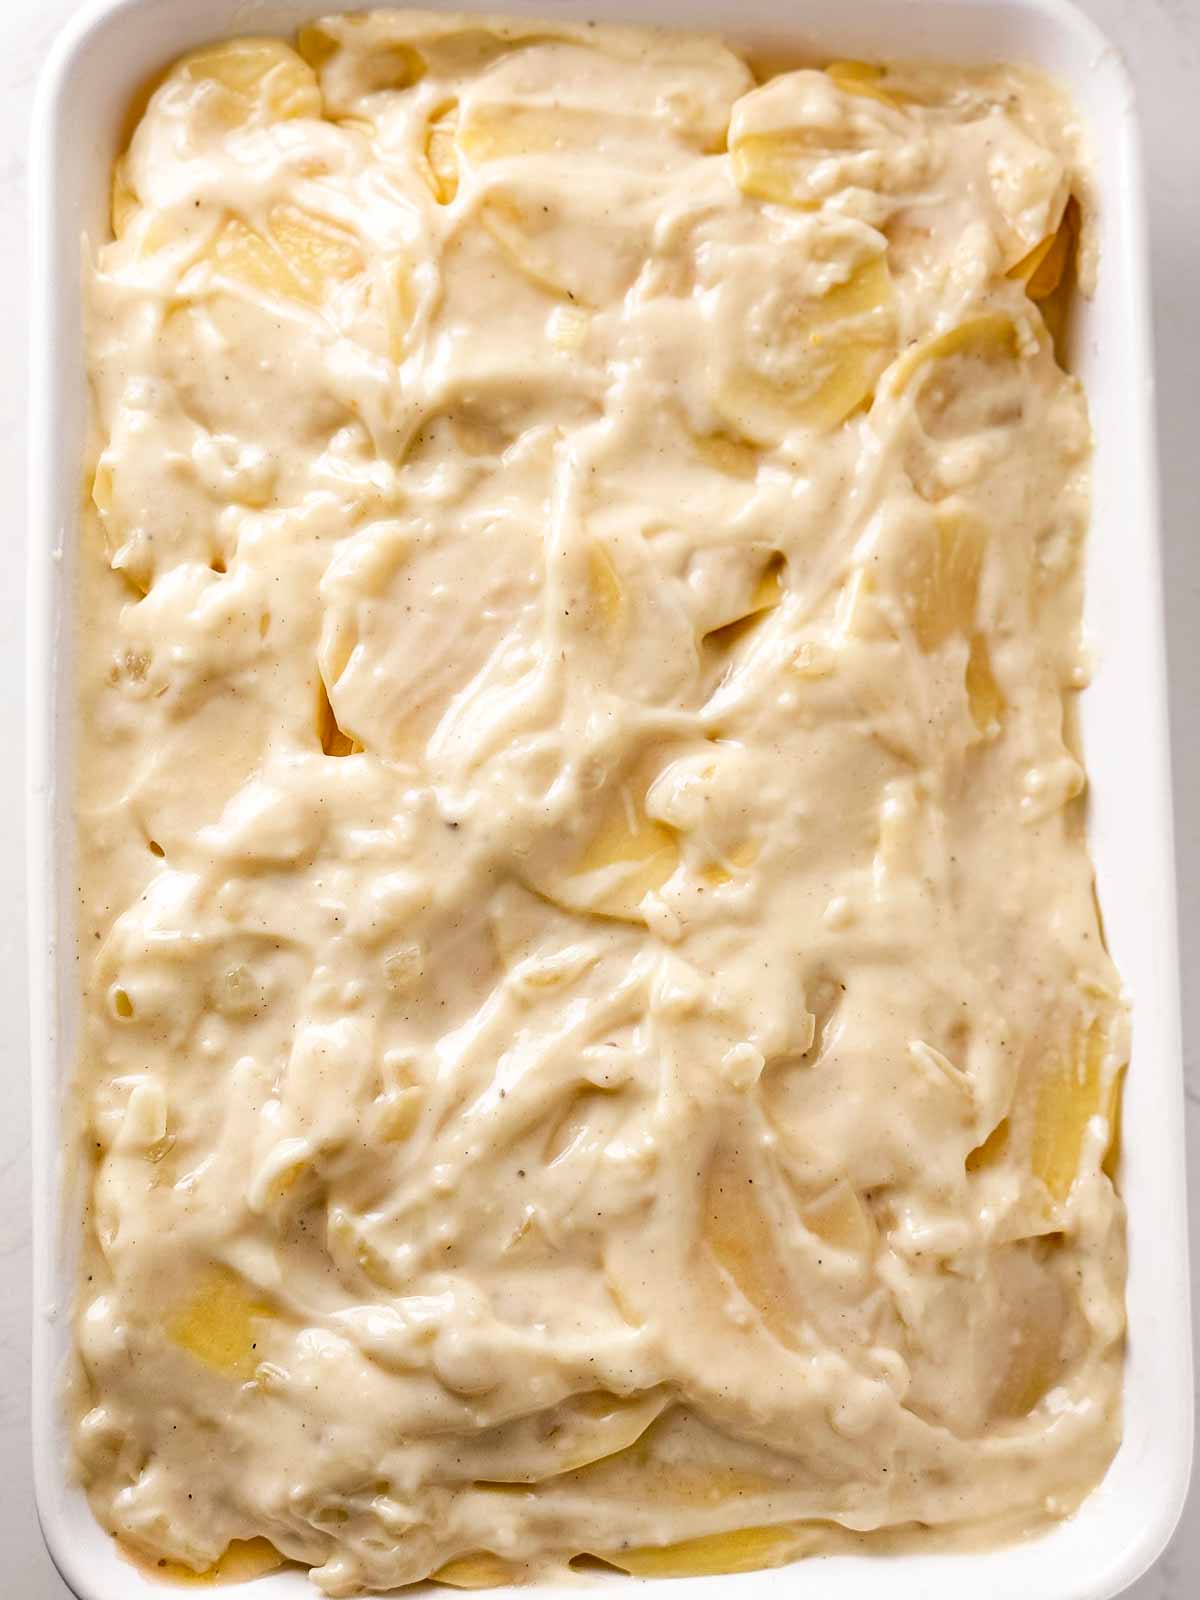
(89, 83)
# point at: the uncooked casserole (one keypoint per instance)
(598, 1041)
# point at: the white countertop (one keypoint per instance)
(1161, 42)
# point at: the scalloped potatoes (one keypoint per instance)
(597, 1036)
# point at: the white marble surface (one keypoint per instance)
(1161, 41)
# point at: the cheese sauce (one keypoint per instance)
(597, 1037)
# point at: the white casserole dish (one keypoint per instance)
(96, 69)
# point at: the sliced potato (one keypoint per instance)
(735, 586)
(724, 453)
(985, 698)
(441, 153)
(218, 1325)
(242, 1560)
(946, 581)
(862, 77)
(582, 1430)
(123, 201)
(992, 1151)
(737, 860)
(740, 1238)
(329, 735)
(795, 141)
(480, 1571)
(987, 336)
(500, 131)
(825, 365)
(1046, 1125)
(1069, 1093)
(606, 588)
(298, 256)
(741, 1550)
(563, 244)
(390, 64)
(251, 81)
(631, 856)
(1043, 269)
(1035, 1320)
(840, 1219)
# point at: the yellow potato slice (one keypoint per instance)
(1028, 265)
(741, 611)
(946, 583)
(740, 1239)
(495, 130)
(102, 496)
(398, 1112)
(1116, 1107)
(441, 154)
(392, 294)
(652, 1466)
(562, 244)
(741, 1550)
(841, 1220)
(625, 855)
(637, 855)
(481, 1571)
(1033, 1368)
(985, 698)
(242, 1560)
(961, 384)
(598, 100)
(102, 487)
(777, 155)
(579, 1432)
(1068, 1094)
(769, 590)
(329, 735)
(251, 81)
(123, 201)
(837, 347)
(498, 132)
(1043, 268)
(991, 334)
(1048, 1121)
(606, 589)
(765, 167)
(858, 614)
(863, 78)
(218, 1325)
(298, 257)
(726, 454)
(315, 45)
(389, 65)
(993, 1150)
(721, 872)
(348, 1241)
(1035, 1315)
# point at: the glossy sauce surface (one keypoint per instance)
(597, 1033)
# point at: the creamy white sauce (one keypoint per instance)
(656, 1081)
